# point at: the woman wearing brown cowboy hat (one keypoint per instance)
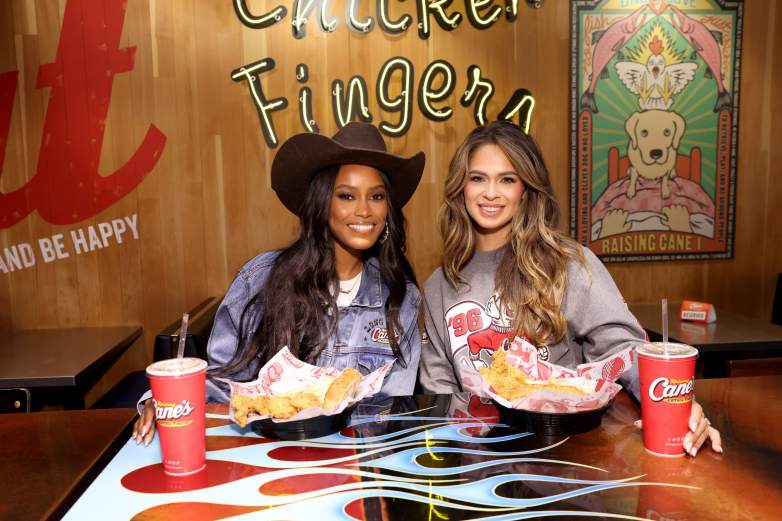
(343, 294)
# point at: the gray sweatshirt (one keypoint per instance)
(466, 325)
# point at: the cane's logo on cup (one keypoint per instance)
(671, 390)
(171, 414)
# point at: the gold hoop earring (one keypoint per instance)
(384, 237)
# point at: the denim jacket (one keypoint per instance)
(360, 340)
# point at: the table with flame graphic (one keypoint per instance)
(460, 464)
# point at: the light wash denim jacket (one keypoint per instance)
(360, 340)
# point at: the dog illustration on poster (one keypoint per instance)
(650, 196)
(653, 126)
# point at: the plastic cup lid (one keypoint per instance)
(176, 367)
(669, 350)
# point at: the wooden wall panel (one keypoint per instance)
(746, 283)
(208, 206)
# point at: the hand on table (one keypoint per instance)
(700, 431)
(144, 428)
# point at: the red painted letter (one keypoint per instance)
(67, 186)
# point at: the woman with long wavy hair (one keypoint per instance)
(509, 271)
(343, 294)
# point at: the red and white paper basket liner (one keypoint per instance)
(597, 377)
(285, 374)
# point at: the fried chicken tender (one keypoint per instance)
(305, 400)
(511, 383)
(239, 403)
(281, 407)
(342, 386)
(243, 405)
(327, 393)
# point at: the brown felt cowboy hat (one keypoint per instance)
(304, 155)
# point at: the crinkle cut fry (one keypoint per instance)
(511, 383)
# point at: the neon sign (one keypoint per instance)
(480, 91)
(360, 26)
(436, 8)
(479, 20)
(402, 103)
(345, 109)
(427, 94)
(302, 9)
(482, 14)
(252, 75)
(305, 101)
(350, 101)
(389, 26)
(521, 103)
(258, 22)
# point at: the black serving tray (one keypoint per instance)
(552, 424)
(303, 429)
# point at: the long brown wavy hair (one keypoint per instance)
(531, 277)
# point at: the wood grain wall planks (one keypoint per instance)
(208, 205)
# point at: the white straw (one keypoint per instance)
(182, 334)
(664, 305)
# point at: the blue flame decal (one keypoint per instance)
(392, 465)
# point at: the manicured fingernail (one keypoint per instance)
(687, 446)
(693, 426)
(694, 452)
(718, 448)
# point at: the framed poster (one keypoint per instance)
(654, 103)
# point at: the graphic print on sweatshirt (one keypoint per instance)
(475, 332)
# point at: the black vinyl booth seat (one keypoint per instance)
(127, 392)
(14, 400)
(776, 305)
(199, 328)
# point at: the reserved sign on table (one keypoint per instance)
(694, 311)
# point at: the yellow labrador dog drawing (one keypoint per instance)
(654, 139)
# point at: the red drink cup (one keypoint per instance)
(667, 384)
(179, 389)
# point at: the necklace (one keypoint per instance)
(356, 281)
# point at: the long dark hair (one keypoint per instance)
(299, 309)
